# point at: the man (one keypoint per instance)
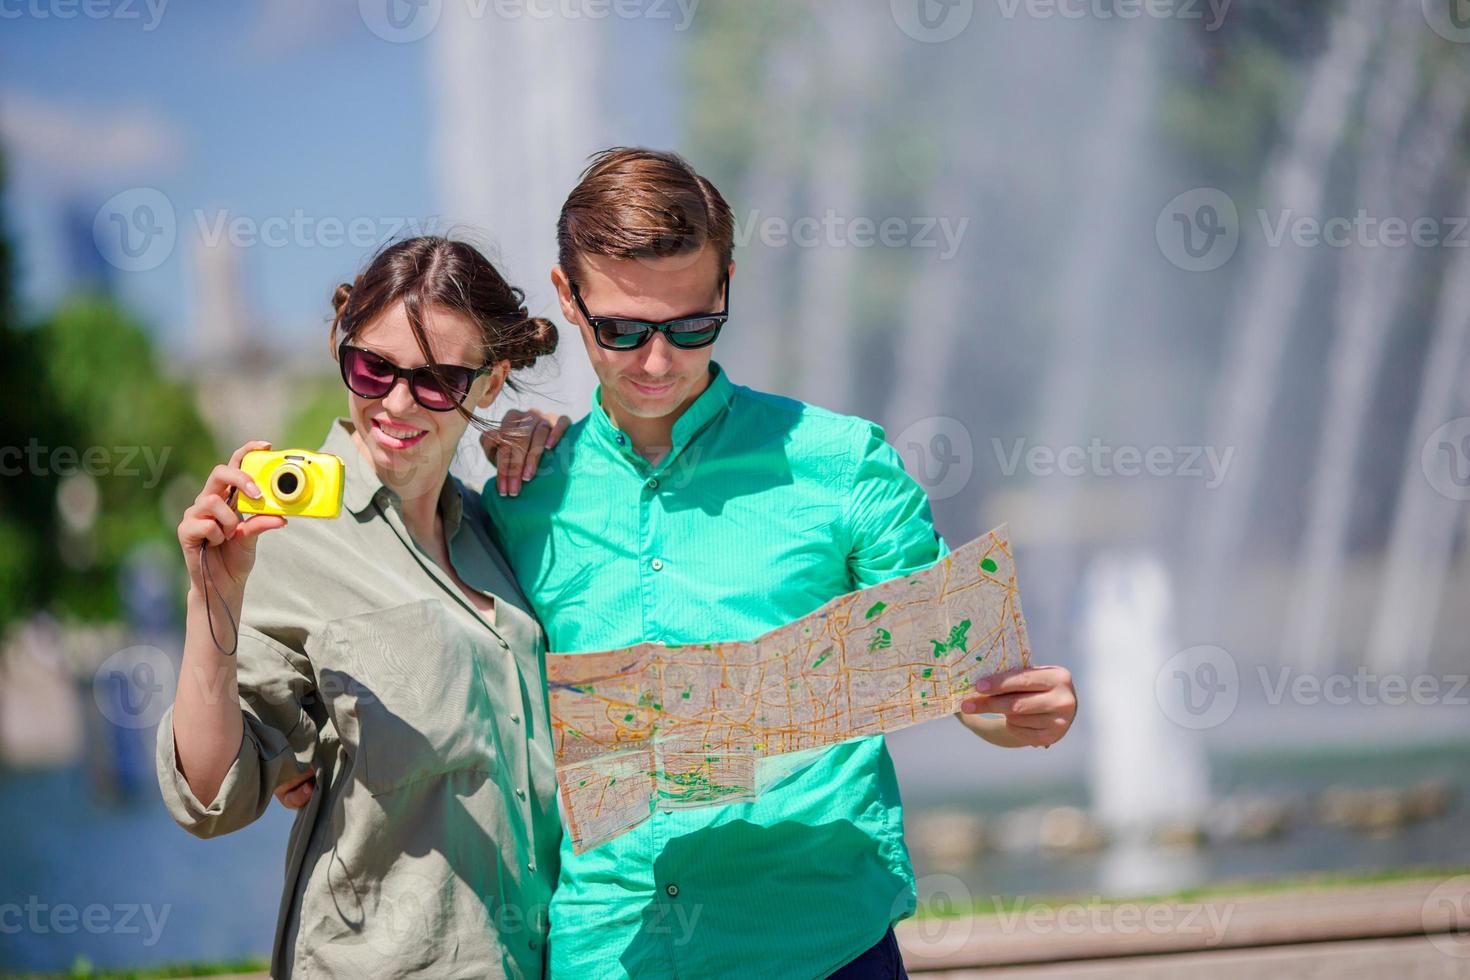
(685, 508)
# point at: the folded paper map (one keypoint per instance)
(656, 727)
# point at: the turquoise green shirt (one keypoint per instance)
(764, 509)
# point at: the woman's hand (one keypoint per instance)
(517, 444)
(294, 793)
(208, 724)
(213, 520)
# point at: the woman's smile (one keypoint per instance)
(392, 435)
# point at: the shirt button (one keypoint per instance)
(622, 441)
(530, 865)
(672, 889)
(653, 484)
(657, 564)
(520, 792)
(515, 719)
(534, 943)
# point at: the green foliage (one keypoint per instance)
(320, 401)
(84, 968)
(27, 513)
(1231, 122)
(728, 114)
(107, 387)
(97, 407)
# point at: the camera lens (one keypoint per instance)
(288, 483)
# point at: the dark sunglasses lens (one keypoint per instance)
(621, 334)
(441, 390)
(694, 333)
(366, 374)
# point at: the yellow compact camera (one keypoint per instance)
(293, 483)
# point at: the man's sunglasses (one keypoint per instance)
(437, 387)
(625, 333)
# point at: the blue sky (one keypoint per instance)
(277, 111)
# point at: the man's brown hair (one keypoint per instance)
(633, 203)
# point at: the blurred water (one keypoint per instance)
(211, 900)
(1146, 772)
(1307, 847)
(218, 899)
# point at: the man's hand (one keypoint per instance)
(294, 794)
(1037, 703)
(516, 445)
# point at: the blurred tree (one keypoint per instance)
(29, 561)
(88, 445)
(141, 430)
(318, 403)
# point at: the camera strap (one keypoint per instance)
(209, 587)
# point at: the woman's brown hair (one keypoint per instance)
(433, 271)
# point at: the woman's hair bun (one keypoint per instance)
(538, 340)
(340, 296)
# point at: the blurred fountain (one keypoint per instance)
(1085, 292)
(750, 349)
(1425, 517)
(1396, 177)
(1266, 304)
(945, 297)
(826, 319)
(519, 109)
(1148, 776)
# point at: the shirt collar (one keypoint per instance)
(361, 484)
(710, 404)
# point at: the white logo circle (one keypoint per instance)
(1450, 898)
(1446, 459)
(135, 230)
(939, 453)
(941, 922)
(1450, 19)
(135, 686)
(932, 21)
(1198, 231)
(400, 21)
(1198, 688)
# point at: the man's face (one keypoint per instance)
(657, 379)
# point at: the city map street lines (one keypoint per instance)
(673, 727)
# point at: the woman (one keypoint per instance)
(386, 664)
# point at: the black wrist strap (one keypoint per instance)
(208, 588)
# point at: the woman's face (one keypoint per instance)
(410, 446)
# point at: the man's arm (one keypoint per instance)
(891, 533)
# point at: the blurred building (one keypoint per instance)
(246, 387)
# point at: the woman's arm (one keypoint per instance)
(208, 725)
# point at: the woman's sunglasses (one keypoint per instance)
(437, 387)
(625, 333)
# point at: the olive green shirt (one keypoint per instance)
(430, 847)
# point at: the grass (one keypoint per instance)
(995, 905)
(83, 968)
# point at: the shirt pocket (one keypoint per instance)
(411, 695)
